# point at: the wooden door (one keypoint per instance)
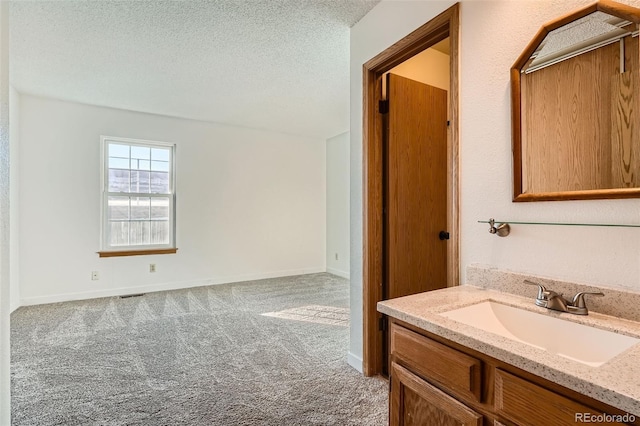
(415, 188)
(416, 402)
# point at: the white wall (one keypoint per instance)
(250, 204)
(5, 285)
(14, 107)
(493, 34)
(599, 256)
(338, 205)
(429, 67)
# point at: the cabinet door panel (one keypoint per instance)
(416, 402)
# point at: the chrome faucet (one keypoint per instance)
(551, 300)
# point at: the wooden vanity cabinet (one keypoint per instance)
(437, 382)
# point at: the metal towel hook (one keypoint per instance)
(502, 230)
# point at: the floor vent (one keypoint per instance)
(126, 296)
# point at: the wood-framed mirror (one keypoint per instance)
(575, 94)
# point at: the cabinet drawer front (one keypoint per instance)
(526, 403)
(455, 370)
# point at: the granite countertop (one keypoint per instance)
(617, 382)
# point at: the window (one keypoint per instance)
(138, 197)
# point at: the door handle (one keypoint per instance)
(443, 235)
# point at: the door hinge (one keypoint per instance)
(382, 323)
(383, 107)
(448, 123)
(443, 235)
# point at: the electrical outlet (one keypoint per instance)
(95, 275)
(336, 256)
(152, 267)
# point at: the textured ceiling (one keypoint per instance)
(280, 65)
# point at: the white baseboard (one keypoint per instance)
(354, 361)
(178, 285)
(338, 272)
(13, 305)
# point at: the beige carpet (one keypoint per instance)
(268, 352)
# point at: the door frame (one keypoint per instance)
(447, 24)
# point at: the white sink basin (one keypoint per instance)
(578, 342)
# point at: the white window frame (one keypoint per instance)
(105, 246)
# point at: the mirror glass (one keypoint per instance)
(576, 108)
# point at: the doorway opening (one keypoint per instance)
(443, 27)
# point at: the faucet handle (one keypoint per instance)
(578, 299)
(542, 291)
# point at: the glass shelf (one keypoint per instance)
(513, 222)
